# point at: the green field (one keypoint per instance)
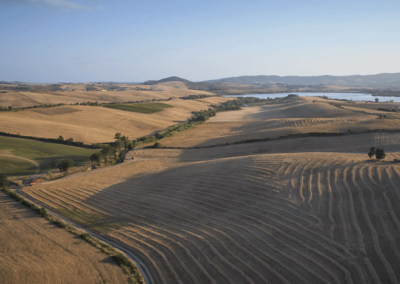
(142, 108)
(38, 151)
(10, 165)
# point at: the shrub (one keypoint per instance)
(4, 181)
(157, 145)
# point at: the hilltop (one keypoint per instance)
(169, 79)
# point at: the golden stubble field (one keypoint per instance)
(310, 210)
(90, 124)
(76, 93)
(304, 210)
(33, 250)
(272, 121)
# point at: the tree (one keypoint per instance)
(371, 152)
(157, 145)
(376, 100)
(70, 140)
(96, 157)
(118, 144)
(378, 153)
(108, 151)
(60, 138)
(4, 181)
(117, 136)
(63, 164)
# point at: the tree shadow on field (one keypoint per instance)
(109, 260)
(45, 163)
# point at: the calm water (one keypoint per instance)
(347, 96)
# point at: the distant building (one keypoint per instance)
(245, 105)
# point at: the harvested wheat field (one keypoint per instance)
(195, 216)
(273, 121)
(35, 251)
(91, 124)
(77, 93)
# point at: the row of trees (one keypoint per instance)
(113, 152)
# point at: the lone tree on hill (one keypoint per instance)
(378, 153)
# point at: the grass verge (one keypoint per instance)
(133, 273)
(142, 108)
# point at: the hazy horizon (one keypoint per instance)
(49, 41)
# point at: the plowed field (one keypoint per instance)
(33, 250)
(278, 120)
(206, 216)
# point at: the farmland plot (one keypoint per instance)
(33, 250)
(98, 124)
(265, 218)
(272, 121)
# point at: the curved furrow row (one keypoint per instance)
(271, 200)
(398, 176)
(71, 199)
(301, 180)
(330, 198)
(210, 262)
(264, 225)
(181, 216)
(342, 219)
(292, 181)
(143, 216)
(304, 190)
(371, 227)
(293, 239)
(360, 241)
(310, 190)
(383, 224)
(166, 262)
(389, 203)
(174, 252)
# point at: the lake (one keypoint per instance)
(347, 96)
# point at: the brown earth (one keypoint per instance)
(90, 124)
(33, 250)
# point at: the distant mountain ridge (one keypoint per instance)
(378, 80)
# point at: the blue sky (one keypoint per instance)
(88, 40)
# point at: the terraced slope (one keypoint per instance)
(277, 120)
(33, 250)
(98, 124)
(265, 218)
